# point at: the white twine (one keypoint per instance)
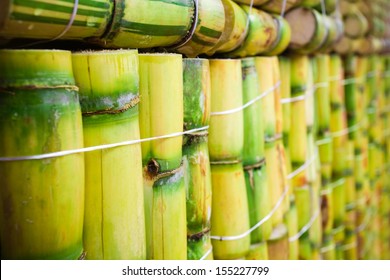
(327, 248)
(350, 81)
(305, 228)
(337, 183)
(262, 221)
(372, 74)
(326, 191)
(277, 205)
(365, 223)
(323, 7)
(100, 147)
(283, 11)
(249, 103)
(386, 74)
(334, 79)
(345, 131)
(348, 246)
(308, 92)
(206, 254)
(302, 167)
(324, 141)
(67, 27)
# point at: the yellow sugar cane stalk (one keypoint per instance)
(301, 83)
(340, 140)
(196, 94)
(114, 226)
(313, 170)
(42, 199)
(323, 116)
(230, 216)
(266, 83)
(291, 218)
(253, 154)
(161, 113)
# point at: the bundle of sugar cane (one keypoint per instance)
(50, 19)
(209, 28)
(308, 30)
(291, 218)
(196, 93)
(235, 28)
(42, 198)
(298, 144)
(258, 191)
(262, 34)
(338, 125)
(230, 216)
(161, 113)
(140, 23)
(114, 224)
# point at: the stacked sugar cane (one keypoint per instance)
(291, 217)
(342, 179)
(299, 154)
(114, 201)
(384, 205)
(324, 142)
(276, 168)
(230, 220)
(161, 114)
(197, 176)
(42, 197)
(254, 162)
(376, 161)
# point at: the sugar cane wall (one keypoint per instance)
(195, 129)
